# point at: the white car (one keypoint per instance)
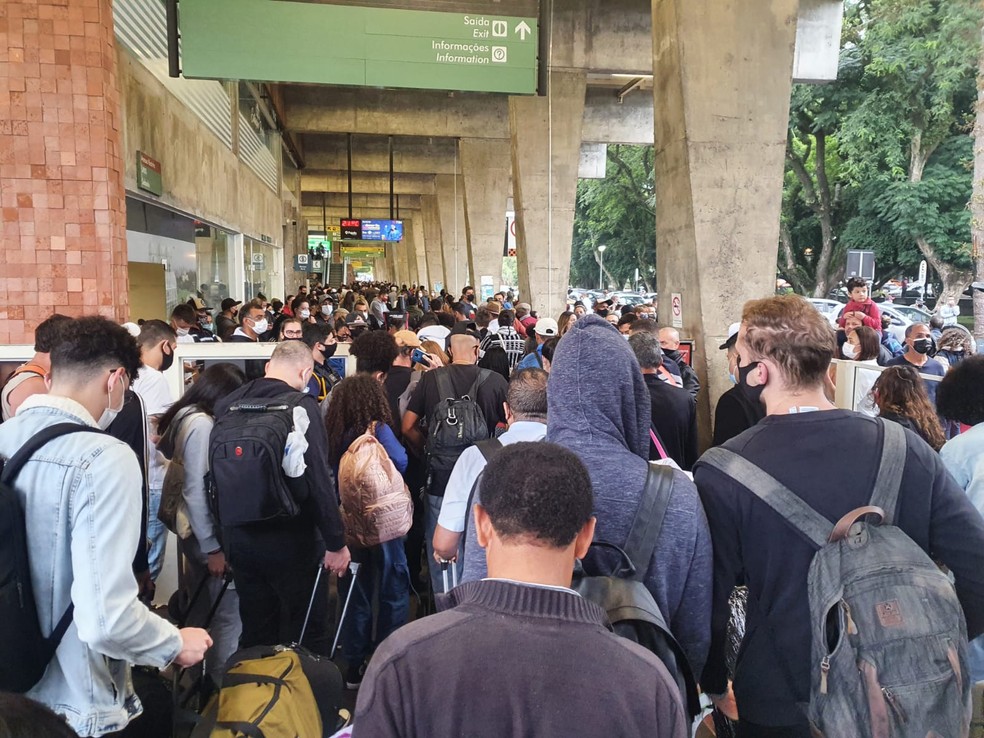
(830, 309)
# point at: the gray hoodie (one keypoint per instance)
(599, 408)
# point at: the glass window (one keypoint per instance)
(260, 269)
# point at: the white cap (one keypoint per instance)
(546, 327)
(732, 335)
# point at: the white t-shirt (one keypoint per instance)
(156, 395)
(436, 333)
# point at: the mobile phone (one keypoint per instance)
(419, 357)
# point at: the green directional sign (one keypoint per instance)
(310, 42)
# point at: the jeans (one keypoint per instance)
(432, 514)
(157, 534)
(387, 565)
(273, 603)
(975, 655)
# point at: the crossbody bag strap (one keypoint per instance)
(808, 522)
(648, 522)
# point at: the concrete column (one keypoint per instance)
(451, 203)
(486, 171)
(402, 271)
(546, 145)
(63, 225)
(722, 80)
(433, 240)
(418, 249)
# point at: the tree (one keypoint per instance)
(977, 199)
(619, 213)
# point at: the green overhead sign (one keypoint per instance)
(313, 42)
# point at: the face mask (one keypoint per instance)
(205, 322)
(110, 413)
(850, 351)
(733, 378)
(754, 394)
(329, 351)
(326, 309)
(183, 332)
(603, 313)
(260, 326)
(922, 345)
(167, 361)
(305, 314)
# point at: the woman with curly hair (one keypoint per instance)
(961, 399)
(954, 346)
(359, 405)
(901, 397)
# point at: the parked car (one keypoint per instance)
(830, 309)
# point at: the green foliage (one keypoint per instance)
(619, 213)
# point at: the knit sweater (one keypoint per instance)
(513, 659)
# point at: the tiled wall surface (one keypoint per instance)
(62, 204)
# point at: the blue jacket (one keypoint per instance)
(81, 495)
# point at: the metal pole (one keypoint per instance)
(350, 175)
(392, 186)
(173, 59)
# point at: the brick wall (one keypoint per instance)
(62, 202)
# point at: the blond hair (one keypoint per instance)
(791, 333)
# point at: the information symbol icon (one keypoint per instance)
(499, 54)
(500, 29)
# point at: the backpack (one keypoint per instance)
(279, 692)
(24, 651)
(889, 640)
(454, 424)
(246, 450)
(376, 504)
(28, 368)
(173, 512)
(620, 589)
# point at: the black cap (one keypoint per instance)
(466, 328)
(230, 302)
(604, 303)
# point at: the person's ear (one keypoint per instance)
(584, 538)
(508, 412)
(483, 526)
(762, 374)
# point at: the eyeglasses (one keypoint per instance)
(293, 334)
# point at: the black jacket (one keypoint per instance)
(735, 414)
(690, 381)
(674, 419)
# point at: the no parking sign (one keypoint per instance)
(676, 310)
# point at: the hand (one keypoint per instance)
(432, 362)
(145, 586)
(338, 561)
(194, 643)
(444, 559)
(725, 704)
(217, 564)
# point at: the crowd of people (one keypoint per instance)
(525, 444)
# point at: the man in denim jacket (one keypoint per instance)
(82, 506)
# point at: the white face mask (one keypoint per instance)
(326, 309)
(183, 331)
(110, 413)
(850, 350)
(260, 326)
(305, 314)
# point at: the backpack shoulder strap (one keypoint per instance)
(488, 447)
(444, 385)
(16, 462)
(483, 374)
(890, 469)
(648, 522)
(811, 524)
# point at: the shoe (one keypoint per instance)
(354, 674)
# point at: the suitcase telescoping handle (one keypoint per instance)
(353, 570)
(445, 565)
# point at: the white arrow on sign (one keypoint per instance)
(522, 29)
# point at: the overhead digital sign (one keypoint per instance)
(351, 229)
(382, 230)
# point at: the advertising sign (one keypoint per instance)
(382, 230)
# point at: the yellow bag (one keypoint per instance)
(267, 697)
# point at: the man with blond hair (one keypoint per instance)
(828, 458)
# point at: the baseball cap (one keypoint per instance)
(198, 303)
(466, 328)
(526, 306)
(732, 336)
(230, 302)
(406, 339)
(546, 327)
(494, 307)
(604, 303)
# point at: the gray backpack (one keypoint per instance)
(889, 654)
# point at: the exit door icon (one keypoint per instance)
(500, 29)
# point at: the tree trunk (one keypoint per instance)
(791, 271)
(977, 199)
(954, 279)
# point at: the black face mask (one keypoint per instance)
(329, 351)
(167, 361)
(603, 313)
(922, 345)
(754, 394)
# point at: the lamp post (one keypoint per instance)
(601, 267)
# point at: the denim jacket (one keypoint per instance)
(81, 497)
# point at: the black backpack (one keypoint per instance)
(454, 424)
(24, 651)
(246, 449)
(617, 584)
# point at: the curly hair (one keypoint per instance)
(356, 403)
(374, 351)
(900, 391)
(91, 345)
(960, 396)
